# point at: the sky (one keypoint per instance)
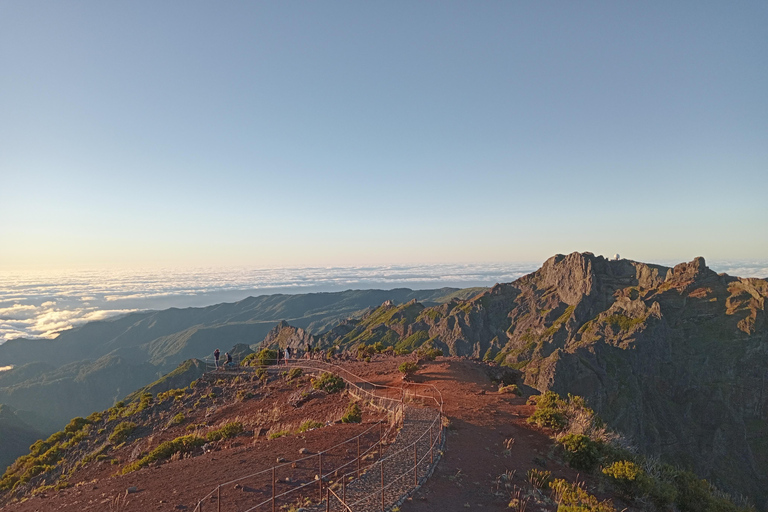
(284, 134)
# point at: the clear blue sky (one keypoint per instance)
(342, 133)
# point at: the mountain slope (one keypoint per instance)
(91, 367)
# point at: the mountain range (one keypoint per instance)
(675, 359)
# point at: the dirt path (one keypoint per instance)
(487, 438)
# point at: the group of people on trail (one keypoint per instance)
(282, 355)
(227, 356)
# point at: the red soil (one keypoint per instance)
(482, 421)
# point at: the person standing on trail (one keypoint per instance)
(287, 354)
(216, 358)
(229, 358)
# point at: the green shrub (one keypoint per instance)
(329, 383)
(275, 435)
(175, 394)
(574, 498)
(264, 357)
(121, 432)
(39, 447)
(429, 353)
(364, 352)
(225, 432)
(94, 417)
(548, 418)
(580, 451)
(76, 424)
(144, 401)
(628, 478)
(408, 368)
(165, 450)
(353, 414)
(294, 373)
(244, 394)
(309, 425)
(178, 419)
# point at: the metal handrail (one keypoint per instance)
(396, 406)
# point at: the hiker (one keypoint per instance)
(216, 357)
(229, 358)
(287, 354)
(308, 353)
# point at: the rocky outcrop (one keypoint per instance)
(284, 335)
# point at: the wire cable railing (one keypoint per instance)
(347, 484)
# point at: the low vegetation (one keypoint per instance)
(408, 368)
(309, 425)
(44, 456)
(512, 389)
(225, 432)
(121, 432)
(329, 383)
(586, 444)
(264, 357)
(165, 450)
(575, 498)
(353, 414)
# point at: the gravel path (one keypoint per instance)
(413, 442)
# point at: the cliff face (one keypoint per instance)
(676, 359)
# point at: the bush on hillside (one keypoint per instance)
(580, 451)
(76, 424)
(329, 383)
(408, 368)
(165, 450)
(353, 414)
(309, 425)
(429, 353)
(225, 432)
(574, 498)
(121, 432)
(628, 478)
(263, 357)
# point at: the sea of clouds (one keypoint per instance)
(41, 305)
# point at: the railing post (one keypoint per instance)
(344, 489)
(358, 456)
(415, 464)
(379, 440)
(381, 463)
(431, 446)
(218, 498)
(273, 489)
(328, 500)
(321, 476)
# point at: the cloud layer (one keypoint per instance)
(41, 305)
